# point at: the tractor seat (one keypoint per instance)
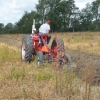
(44, 37)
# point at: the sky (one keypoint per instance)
(13, 10)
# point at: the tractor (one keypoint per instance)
(32, 49)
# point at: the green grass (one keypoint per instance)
(16, 74)
(8, 53)
(44, 74)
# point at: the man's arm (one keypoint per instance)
(48, 29)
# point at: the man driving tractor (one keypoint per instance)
(31, 47)
(45, 30)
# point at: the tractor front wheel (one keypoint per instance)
(40, 58)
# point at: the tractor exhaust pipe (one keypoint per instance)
(33, 27)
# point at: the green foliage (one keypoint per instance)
(24, 94)
(15, 74)
(25, 23)
(9, 28)
(43, 75)
(64, 16)
(1, 27)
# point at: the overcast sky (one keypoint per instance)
(13, 10)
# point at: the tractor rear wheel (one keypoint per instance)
(26, 48)
(58, 44)
(40, 58)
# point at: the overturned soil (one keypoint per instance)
(81, 59)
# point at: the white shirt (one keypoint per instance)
(44, 28)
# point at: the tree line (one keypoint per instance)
(64, 15)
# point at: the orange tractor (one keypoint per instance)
(56, 53)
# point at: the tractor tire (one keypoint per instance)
(26, 48)
(60, 49)
(60, 45)
(40, 58)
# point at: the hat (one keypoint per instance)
(48, 21)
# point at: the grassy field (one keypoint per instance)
(20, 80)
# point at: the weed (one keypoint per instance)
(24, 94)
(88, 74)
(15, 74)
(43, 75)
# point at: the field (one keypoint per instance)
(20, 80)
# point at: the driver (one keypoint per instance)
(45, 29)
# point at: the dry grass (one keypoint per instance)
(86, 42)
(25, 81)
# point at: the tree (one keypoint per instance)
(95, 6)
(86, 18)
(64, 16)
(9, 28)
(24, 25)
(1, 27)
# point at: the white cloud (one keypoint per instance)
(13, 10)
(82, 3)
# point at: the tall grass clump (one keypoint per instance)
(88, 74)
(43, 74)
(8, 52)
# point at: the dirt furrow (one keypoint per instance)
(83, 59)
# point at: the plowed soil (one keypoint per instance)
(83, 59)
